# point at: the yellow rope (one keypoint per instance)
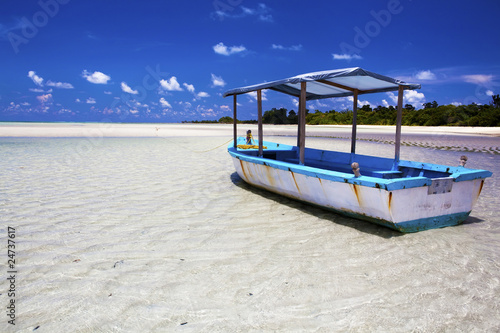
(239, 146)
(250, 147)
(205, 151)
(194, 151)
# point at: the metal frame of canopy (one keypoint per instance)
(327, 84)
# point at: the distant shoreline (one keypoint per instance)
(62, 129)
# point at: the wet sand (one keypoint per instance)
(173, 130)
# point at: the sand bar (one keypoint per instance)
(190, 130)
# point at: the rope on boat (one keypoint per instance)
(239, 146)
(195, 151)
(206, 151)
(250, 147)
(249, 138)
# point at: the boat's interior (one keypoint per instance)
(378, 167)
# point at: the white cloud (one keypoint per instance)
(425, 75)
(227, 51)
(489, 93)
(44, 98)
(164, 103)
(262, 12)
(360, 102)
(346, 56)
(39, 82)
(62, 85)
(266, 18)
(393, 97)
(320, 105)
(139, 104)
(316, 105)
(480, 79)
(220, 14)
(91, 100)
(127, 89)
(253, 95)
(287, 48)
(414, 98)
(205, 112)
(189, 87)
(36, 79)
(385, 103)
(217, 81)
(248, 11)
(96, 77)
(108, 92)
(363, 103)
(171, 84)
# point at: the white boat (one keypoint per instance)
(404, 195)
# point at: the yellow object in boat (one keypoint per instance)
(250, 147)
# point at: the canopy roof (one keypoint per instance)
(332, 83)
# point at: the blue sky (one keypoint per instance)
(168, 61)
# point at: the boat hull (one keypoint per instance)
(406, 210)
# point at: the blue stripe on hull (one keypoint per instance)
(432, 222)
(414, 225)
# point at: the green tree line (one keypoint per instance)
(432, 114)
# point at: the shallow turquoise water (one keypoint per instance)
(159, 234)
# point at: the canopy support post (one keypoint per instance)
(259, 109)
(235, 122)
(302, 123)
(354, 122)
(398, 123)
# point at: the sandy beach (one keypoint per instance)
(465, 139)
(147, 228)
(187, 129)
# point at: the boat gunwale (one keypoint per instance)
(456, 173)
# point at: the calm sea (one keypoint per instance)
(160, 234)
